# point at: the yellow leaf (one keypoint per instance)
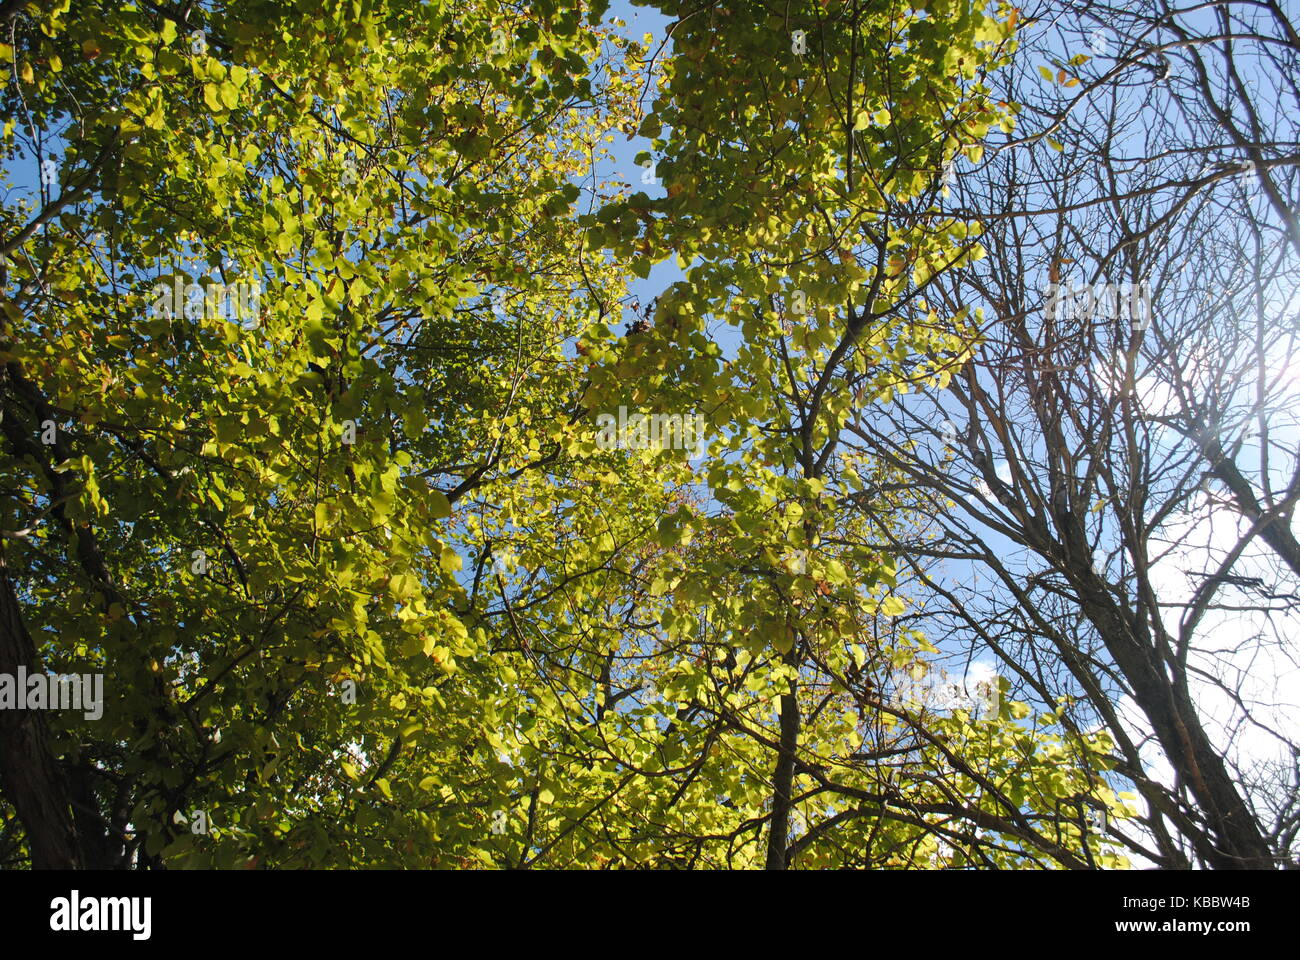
(892, 606)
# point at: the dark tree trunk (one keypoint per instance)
(1237, 841)
(783, 777)
(30, 776)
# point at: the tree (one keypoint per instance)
(1124, 402)
(244, 518)
(323, 446)
(805, 205)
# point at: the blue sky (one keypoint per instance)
(640, 21)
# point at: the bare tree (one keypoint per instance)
(1111, 476)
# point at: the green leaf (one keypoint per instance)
(404, 586)
(449, 560)
(440, 507)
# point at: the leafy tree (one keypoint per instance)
(245, 521)
(367, 582)
(805, 206)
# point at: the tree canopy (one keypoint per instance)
(410, 521)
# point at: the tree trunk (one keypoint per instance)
(783, 777)
(1239, 843)
(30, 776)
